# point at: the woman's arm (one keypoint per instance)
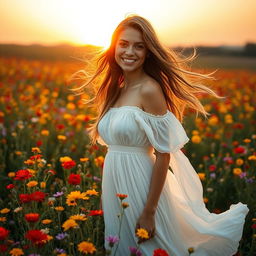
(153, 101)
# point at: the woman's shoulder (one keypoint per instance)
(152, 97)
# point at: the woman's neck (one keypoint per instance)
(132, 78)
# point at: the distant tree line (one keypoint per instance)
(69, 52)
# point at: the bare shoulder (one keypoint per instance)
(152, 97)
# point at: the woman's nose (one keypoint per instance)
(129, 50)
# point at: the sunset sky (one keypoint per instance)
(177, 22)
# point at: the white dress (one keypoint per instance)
(181, 219)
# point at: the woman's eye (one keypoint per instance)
(140, 46)
(122, 44)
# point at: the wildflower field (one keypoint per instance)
(50, 175)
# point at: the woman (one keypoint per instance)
(140, 100)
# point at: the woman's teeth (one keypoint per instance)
(128, 60)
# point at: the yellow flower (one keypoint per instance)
(46, 221)
(59, 208)
(29, 162)
(71, 106)
(5, 210)
(32, 183)
(45, 132)
(239, 161)
(73, 196)
(99, 160)
(195, 132)
(65, 159)
(213, 120)
(247, 140)
(36, 150)
(78, 217)
(237, 171)
(2, 219)
(86, 247)
(16, 252)
(196, 139)
(42, 184)
(84, 159)
(11, 174)
(252, 158)
(61, 137)
(142, 233)
(91, 192)
(18, 153)
(201, 175)
(69, 224)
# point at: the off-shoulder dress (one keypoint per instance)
(182, 219)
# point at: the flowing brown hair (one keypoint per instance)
(179, 85)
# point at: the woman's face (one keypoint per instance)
(130, 50)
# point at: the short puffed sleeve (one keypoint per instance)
(165, 133)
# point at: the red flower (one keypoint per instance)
(74, 179)
(37, 196)
(95, 213)
(160, 252)
(32, 217)
(3, 233)
(22, 175)
(25, 198)
(35, 157)
(239, 150)
(68, 165)
(36, 236)
(121, 196)
(39, 143)
(3, 248)
(254, 226)
(212, 167)
(10, 186)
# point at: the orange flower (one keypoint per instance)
(121, 196)
(32, 217)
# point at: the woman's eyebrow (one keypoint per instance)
(140, 42)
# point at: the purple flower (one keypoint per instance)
(227, 158)
(134, 251)
(112, 240)
(61, 236)
(96, 178)
(57, 250)
(249, 180)
(213, 175)
(242, 175)
(58, 194)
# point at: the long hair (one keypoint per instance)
(179, 85)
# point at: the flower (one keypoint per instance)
(37, 196)
(212, 167)
(196, 139)
(68, 164)
(10, 186)
(201, 175)
(59, 208)
(42, 184)
(134, 251)
(24, 198)
(32, 217)
(46, 221)
(3, 233)
(16, 252)
(160, 252)
(239, 161)
(32, 183)
(22, 175)
(84, 159)
(121, 196)
(240, 150)
(78, 217)
(86, 247)
(69, 224)
(5, 210)
(58, 194)
(112, 240)
(142, 233)
(73, 196)
(74, 179)
(91, 192)
(237, 171)
(95, 213)
(252, 157)
(99, 161)
(36, 150)
(125, 205)
(36, 236)
(65, 159)
(190, 250)
(61, 236)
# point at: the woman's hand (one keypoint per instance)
(147, 222)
